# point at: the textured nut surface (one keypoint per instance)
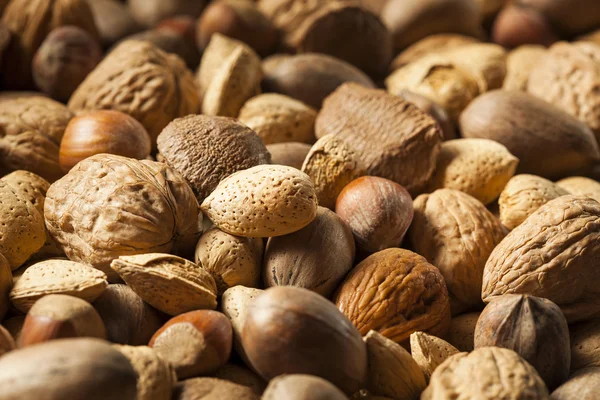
(585, 345)
(395, 292)
(429, 352)
(241, 375)
(479, 167)
(302, 387)
(523, 195)
(139, 79)
(462, 331)
(430, 45)
(533, 327)
(552, 255)
(392, 370)
(57, 277)
(486, 373)
(156, 377)
(231, 260)
(392, 138)
(169, 283)
(582, 385)
(263, 201)
(317, 257)
(212, 389)
(29, 186)
(456, 233)
(31, 130)
(291, 154)
(108, 206)
(581, 186)
(519, 64)
(277, 118)
(6, 283)
(331, 164)
(205, 150)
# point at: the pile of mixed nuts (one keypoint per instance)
(299, 199)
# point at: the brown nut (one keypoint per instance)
(88, 368)
(156, 377)
(456, 233)
(241, 375)
(195, 343)
(277, 118)
(14, 325)
(516, 26)
(523, 195)
(58, 316)
(585, 337)
(291, 330)
(571, 17)
(6, 283)
(212, 389)
(31, 130)
(237, 19)
(551, 255)
(515, 119)
(302, 387)
(128, 319)
(433, 109)
(64, 59)
(582, 385)
(581, 186)
(172, 42)
(487, 373)
(108, 206)
(7, 343)
(533, 327)
(478, 167)
(30, 22)
(149, 12)
(119, 83)
(392, 370)
(397, 141)
(291, 154)
(413, 291)
(462, 331)
(429, 352)
(283, 201)
(377, 210)
(169, 283)
(519, 64)
(103, 131)
(317, 257)
(309, 78)
(113, 20)
(57, 277)
(231, 260)
(205, 150)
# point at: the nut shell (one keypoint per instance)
(519, 64)
(582, 385)
(462, 331)
(585, 337)
(291, 154)
(301, 387)
(212, 389)
(581, 186)
(430, 351)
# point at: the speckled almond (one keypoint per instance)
(479, 167)
(57, 277)
(519, 64)
(331, 164)
(523, 195)
(263, 201)
(169, 283)
(581, 186)
(429, 351)
(234, 304)
(156, 377)
(277, 118)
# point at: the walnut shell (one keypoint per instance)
(552, 255)
(121, 82)
(429, 351)
(205, 150)
(581, 186)
(523, 195)
(478, 167)
(277, 118)
(395, 292)
(519, 64)
(486, 373)
(533, 327)
(31, 129)
(291, 154)
(582, 385)
(109, 206)
(392, 138)
(456, 233)
(231, 260)
(317, 257)
(302, 387)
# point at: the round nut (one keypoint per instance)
(413, 291)
(571, 17)
(582, 385)
(291, 154)
(377, 210)
(212, 389)
(195, 343)
(462, 331)
(516, 26)
(291, 330)
(429, 352)
(59, 316)
(301, 387)
(103, 131)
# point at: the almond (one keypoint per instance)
(430, 351)
(581, 186)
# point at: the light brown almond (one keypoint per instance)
(429, 351)
(581, 186)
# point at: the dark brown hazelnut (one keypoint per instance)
(103, 131)
(434, 109)
(290, 330)
(291, 154)
(63, 61)
(113, 20)
(302, 387)
(378, 211)
(195, 343)
(237, 19)
(516, 26)
(533, 327)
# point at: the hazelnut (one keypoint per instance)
(516, 26)
(64, 59)
(195, 343)
(301, 387)
(59, 316)
(290, 330)
(7, 343)
(103, 131)
(291, 154)
(377, 210)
